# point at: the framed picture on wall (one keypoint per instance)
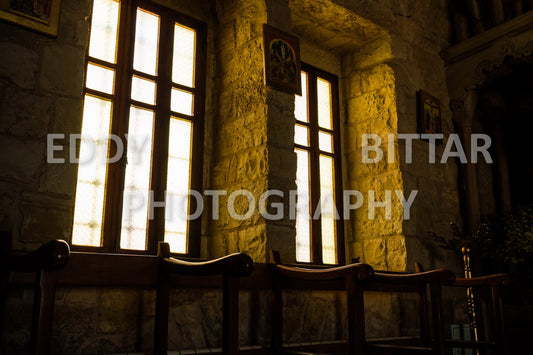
(282, 60)
(38, 15)
(429, 118)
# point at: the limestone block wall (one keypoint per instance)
(249, 127)
(388, 51)
(371, 102)
(392, 52)
(417, 32)
(41, 81)
(383, 52)
(118, 320)
(240, 152)
(254, 125)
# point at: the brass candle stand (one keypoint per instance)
(470, 299)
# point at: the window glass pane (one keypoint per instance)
(143, 90)
(303, 230)
(323, 89)
(325, 142)
(178, 177)
(100, 78)
(146, 42)
(104, 25)
(181, 102)
(328, 212)
(137, 180)
(300, 102)
(301, 135)
(183, 59)
(92, 169)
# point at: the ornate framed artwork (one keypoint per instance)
(429, 119)
(282, 60)
(38, 15)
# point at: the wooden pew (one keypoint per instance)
(230, 267)
(355, 279)
(419, 284)
(494, 282)
(345, 278)
(45, 261)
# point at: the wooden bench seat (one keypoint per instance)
(230, 268)
(495, 283)
(44, 261)
(356, 279)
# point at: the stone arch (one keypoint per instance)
(468, 64)
(508, 50)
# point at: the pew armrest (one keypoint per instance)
(237, 264)
(51, 256)
(443, 276)
(360, 272)
(489, 280)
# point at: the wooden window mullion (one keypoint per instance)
(313, 74)
(116, 171)
(339, 223)
(156, 226)
(119, 123)
(314, 173)
(195, 229)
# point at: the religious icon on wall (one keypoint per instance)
(282, 60)
(38, 15)
(429, 118)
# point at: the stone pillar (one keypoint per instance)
(502, 168)
(518, 7)
(463, 112)
(460, 26)
(371, 109)
(495, 108)
(497, 11)
(477, 25)
(254, 133)
(281, 234)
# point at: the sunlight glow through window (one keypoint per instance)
(327, 205)
(137, 180)
(100, 78)
(300, 102)
(183, 59)
(143, 90)
(181, 102)
(303, 230)
(112, 203)
(315, 167)
(178, 182)
(104, 29)
(146, 42)
(92, 169)
(323, 88)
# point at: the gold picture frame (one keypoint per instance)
(282, 60)
(38, 15)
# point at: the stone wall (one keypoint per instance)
(41, 82)
(253, 147)
(389, 51)
(405, 61)
(250, 126)
(240, 152)
(383, 52)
